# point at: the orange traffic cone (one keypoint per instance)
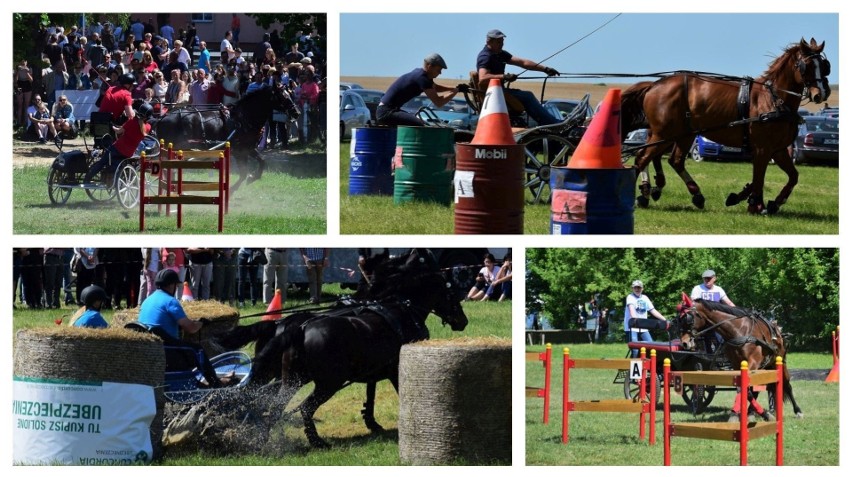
(494, 128)
(834, 374)
(600, 147)
(274, 305)
(187, 293)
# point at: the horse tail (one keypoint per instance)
(632, 108)
(243, 335)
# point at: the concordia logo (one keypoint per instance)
(491, 153)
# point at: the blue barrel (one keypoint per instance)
(591, 201)
(370, 156)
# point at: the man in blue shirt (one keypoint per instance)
(93, 298)
(410, 85)
(491, 64)
(164, 315)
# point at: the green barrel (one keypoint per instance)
(424, 164)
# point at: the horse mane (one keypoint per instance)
(717, 306)
(402, 273)
(783, 61)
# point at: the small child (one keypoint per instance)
(89, 315)
(170, 263)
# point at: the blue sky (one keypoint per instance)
(727, 43)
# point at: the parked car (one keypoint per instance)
(634, 139)
(458, 115)
(704, 148)
(371, 97)
(354, 113)
(414, 104)
(829, 112)
(344, 86)
(567, 106)
(818, 140)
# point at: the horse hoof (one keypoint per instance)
(698, 200)
(375, 427)
(251, 178)
(734, 417)
(642, 202)
(318, 443)
(656, 192)
(772, 207)
(756, 209)
(799, 415)
(768, 416)
(733, 199)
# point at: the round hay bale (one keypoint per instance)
(455, 402)
(83, 354)
(223, 318)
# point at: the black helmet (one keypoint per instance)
(126, 78)
(166, 277)
(145, 110)
(92, 294)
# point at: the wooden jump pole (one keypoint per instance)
(546, 358)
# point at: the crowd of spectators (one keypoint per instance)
(172, 68)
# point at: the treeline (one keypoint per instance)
(799, 287)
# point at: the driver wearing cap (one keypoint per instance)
(409, 86)
(491, 64)
(709, 291)
(638, 305)
(165, 317)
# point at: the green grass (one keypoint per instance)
(339, 420)
(813, 207)
(612, 438)
(277, 204)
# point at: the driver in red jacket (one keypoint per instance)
(130, 134)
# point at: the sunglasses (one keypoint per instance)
(62, 100)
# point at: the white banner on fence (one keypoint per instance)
(81, 423)
(83, 101)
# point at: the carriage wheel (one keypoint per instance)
(57, 193)
(631, 388)
(127, 184)
(543, 151)
(103, 188)
(698, 396)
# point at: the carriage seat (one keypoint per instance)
(659, 346)
(100, 128)
(179, 359)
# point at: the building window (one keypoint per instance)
(202, 17)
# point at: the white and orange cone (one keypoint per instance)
(600, 147)
(274, 305)
(187, 293)
(494, 128)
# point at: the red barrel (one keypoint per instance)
(489, 189)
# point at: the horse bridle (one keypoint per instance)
(822, 68)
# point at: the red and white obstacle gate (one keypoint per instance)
(741, 432)
(644, 405)
(546, 358)
(174, 192)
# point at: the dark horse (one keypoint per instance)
(748, 337)
(358, 342)
(760, 114)
(197, 127)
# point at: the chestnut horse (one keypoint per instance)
(678, 107)
(747, 337)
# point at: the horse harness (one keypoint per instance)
(741, 341)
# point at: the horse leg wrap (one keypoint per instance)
(659, 183)
(645, 190)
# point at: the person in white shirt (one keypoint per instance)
(709, 291)
(638, 305)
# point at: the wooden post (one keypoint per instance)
(744, 385)
(180, 191)
(221, 168)
(667, 419)
(779, 411)
(652, 403)
(142, 192)
(642, 395)
(566, 376)
(227, 183)
(547, 368)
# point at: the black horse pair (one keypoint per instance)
(198, 128)
(357, 342)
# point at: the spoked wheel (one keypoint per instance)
(127, 184)
(542, 152)
(100, 187)
(698, 396)
(631, 388)
(55, 180)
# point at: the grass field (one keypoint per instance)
(339, 420)
(278, 204)
(612, 439)
(813, 207)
